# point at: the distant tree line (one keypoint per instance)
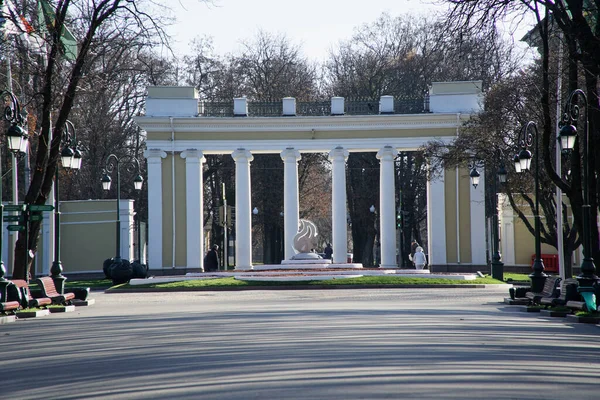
(104, 87)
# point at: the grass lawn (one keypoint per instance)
(516, 277)
(375, 281)
(92, 283)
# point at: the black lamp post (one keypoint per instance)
(373, 210)
(566, 139)
(113, 162)
(70, 159)
(501, 174)
(475, 176)
(538, 277)
(497, 264)
(15, 135)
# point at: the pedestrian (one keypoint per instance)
(211, 261)
(419, 258)
(328, 251)
(413, 247)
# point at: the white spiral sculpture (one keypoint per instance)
(306, 238)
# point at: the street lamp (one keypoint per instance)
(15, 136)
(497, 264)
(373, 211)
(67, 159)
(132, 164)
(474, 175)
(566, 139)
(497, 267)
(528, 137)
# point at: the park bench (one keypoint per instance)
(589, 298)
(46, 284)
(7, 303)
(26, 299)
(550, 289)
(9, 306)
(568, 291)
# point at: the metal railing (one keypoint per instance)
(361, 106)
(352, 106)
(313, 108)
(265, 109)
(216, 109)
(411, 106)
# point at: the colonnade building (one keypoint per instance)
(179, 135)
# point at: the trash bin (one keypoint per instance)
(349, 257)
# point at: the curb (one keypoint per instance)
(306, 287)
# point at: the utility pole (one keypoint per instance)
(225, 241)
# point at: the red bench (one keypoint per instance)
(9, 306)
(27, 299)
(5, 303)
(550, 262)
(49, 290)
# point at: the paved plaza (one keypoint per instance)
(301, 344)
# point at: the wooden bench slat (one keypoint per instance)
(577, 305)
(9, 306)
(31, 301)
(562, 298)
(49, 290)
(547, 291)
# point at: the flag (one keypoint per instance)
(47, 18)
(17, 25)
(10, 24)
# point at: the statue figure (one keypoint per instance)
(305, 241)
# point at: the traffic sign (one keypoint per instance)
(14, 228)
(35, 217)
(13, 218)
(41, 207)
(14, 207)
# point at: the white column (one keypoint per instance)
(436, 220)
(243, 217)
(507, 231)
(126, 217)
(155, 206)
(387, 207)
(194, 209)
(291, 201)
(338, 157)
(478, 221)
(47, 256)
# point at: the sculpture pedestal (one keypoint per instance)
(306, 264)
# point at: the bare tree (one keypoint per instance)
(493, 137)
(401, 56)
(59, 79)
(577, 21)
(268, 68)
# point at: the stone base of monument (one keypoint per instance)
(306, 264)
(308, 256)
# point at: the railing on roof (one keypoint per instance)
(411, 106)
(265, 109)
(358, 106)
(352, 106)
(216, 109)
(313, 108)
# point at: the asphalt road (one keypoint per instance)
(308, 344)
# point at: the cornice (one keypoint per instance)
(295, 124)
(302, 145)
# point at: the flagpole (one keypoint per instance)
(562, 267)
(15, 176)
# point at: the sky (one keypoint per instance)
(315, 25)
